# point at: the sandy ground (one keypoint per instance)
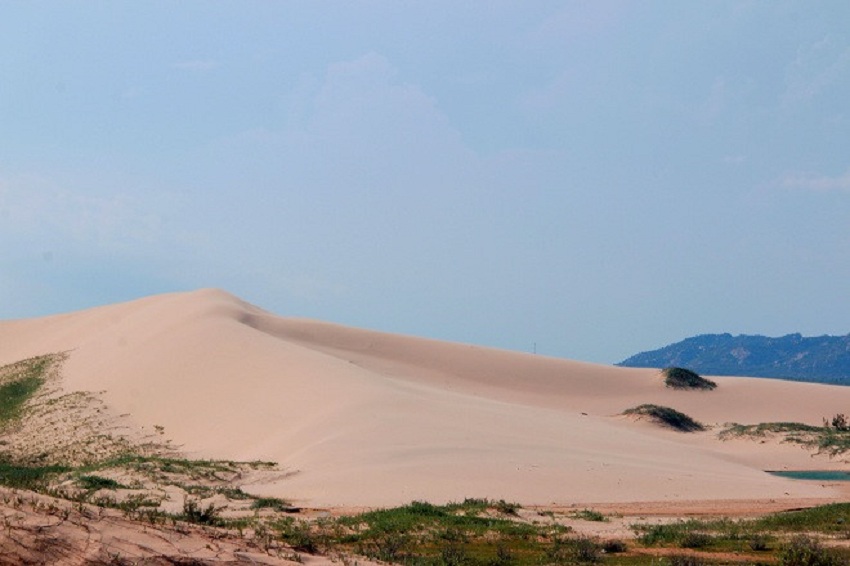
(362, 418)
(37, 529)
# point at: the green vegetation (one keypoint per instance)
(614, 546)
(472, 532)
(162, 467)
(94, 483)
(682, 534)
(777, 534)
(824, 439)
(475, 532)
(832, 518)
(590, 515)
(803, 550)
(666, 416)
(27, 477)
(18, 383)
(56, 468)
(681, 378)
(194, 512)
(763, 429)
(270, 503)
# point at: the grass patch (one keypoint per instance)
(681, 378)
(19, 382)
(834, 517)
(14, 395)
(590, 515)
(163, 467)
(824, 439)
(457, 533)
(803, 550)
(694, 534)
(420, 515)
(666, 416)
(271, 503)
(763, 429)
(27, 477)
(94, 483)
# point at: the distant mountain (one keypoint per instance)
(823, 359)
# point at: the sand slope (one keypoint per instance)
(366, 418)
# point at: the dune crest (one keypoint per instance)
(368, 418)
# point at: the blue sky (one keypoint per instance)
(596, 178)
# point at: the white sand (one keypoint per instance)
(368, 418)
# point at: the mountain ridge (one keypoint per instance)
(820, 359)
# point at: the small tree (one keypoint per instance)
(840, 422)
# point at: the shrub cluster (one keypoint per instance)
(681, 378)
(803, 550)
(839, 422)
(667, 416)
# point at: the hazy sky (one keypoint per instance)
(598, 178)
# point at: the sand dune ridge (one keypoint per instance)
(370, 418)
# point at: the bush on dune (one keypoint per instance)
(681, 378)
(667, 417)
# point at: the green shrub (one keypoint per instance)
(758, 542)
(650, 535)
(504, 556)
(389, 547)
(559, 552)
(506, 508)
(586, 550)
(840, 422)
(583, 550)
(453, 555)
(590, 515)
(693, 539)
(681, 378)
(614, 546)
(803, 550)
(666, 416)
(194, 513)
(297, 534)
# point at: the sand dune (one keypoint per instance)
(368, 418)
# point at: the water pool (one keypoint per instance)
(817, 475)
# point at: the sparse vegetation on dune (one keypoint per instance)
(827, 439)
(19, 382)
(590, 515)
(150, 485)
(27, 476)
(85, 468)
(666, 416)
